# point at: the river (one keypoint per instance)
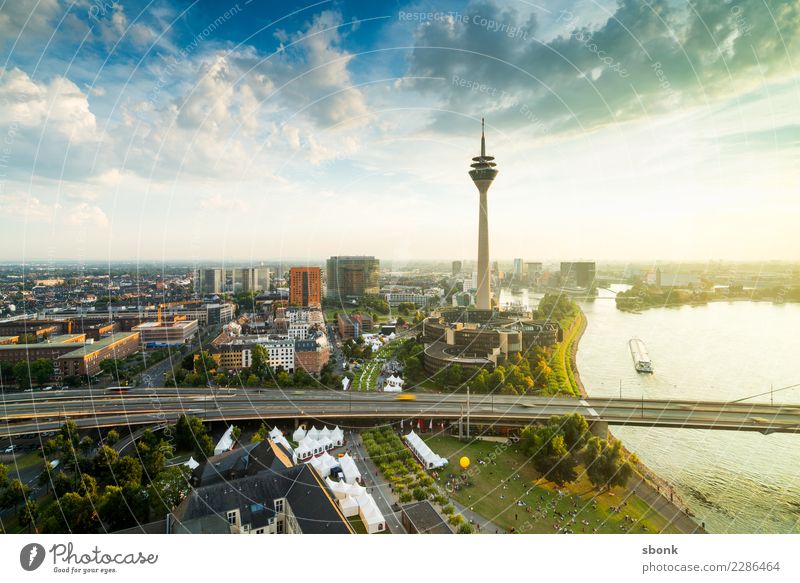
(735, 482)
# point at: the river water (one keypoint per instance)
(735, 482)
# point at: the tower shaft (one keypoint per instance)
(483, 301)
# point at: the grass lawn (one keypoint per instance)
(28, 460)
(496, 487)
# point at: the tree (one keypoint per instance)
(188, 430)
(260, 435)
(28, 515)
(112, 437)
(128, 472)
(104, 461)
(236, 433)
(15, 493)
(204, 366)
(112, 366)
(606, 465)
(575, 429)
(3, 476)
(85, 444)
(168, 488)
(204, 447)
(122, 507)
(260, 361)
(71, 513)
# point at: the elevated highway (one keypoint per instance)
(24, 413)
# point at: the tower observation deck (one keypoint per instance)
(484, 170)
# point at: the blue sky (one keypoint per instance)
(211, 130)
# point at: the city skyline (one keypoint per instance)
(218, 133)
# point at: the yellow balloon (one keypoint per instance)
(464, 461)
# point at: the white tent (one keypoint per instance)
(339, 489)
(323, 464)
(299, 434)
(277, 436)
(337, 436)
(325, 443)
(345, 383)
(393, 384)
(349, 469)
(313, 445)
(429, 459)
(325, 432)
(305, 450)
(349, 506)
(225, 442)
(192, 463)
(313, 433)
(370, 514)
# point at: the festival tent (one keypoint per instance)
(192, 463)
(313, 433)
(225, 442)
(339, 489)
(277, 436)
(393, 384)
(324, 464)
(424, 453)
(325, 443)
(325, 432)
(299, 434)
(345, 383)
(370, 514)
(349, 468)
(337, 436)
(313, 445)
(349, 506)
(303, 452)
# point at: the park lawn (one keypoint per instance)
(28, 460)
(497, 487)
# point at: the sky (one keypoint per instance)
(250, 130)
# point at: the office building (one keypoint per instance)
(456, 268)
(352, 276)
(518, 268)
(163, 334)
(578, 274)
(353, 325)
(85, 361)
(211, 281)
(305, 286)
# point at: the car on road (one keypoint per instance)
(405, 397)
(10, 449)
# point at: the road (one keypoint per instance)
(36, 412)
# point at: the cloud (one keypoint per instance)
(86, 215)
(646, 58)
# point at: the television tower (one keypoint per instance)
(483, 174)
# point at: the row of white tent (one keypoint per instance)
(354, 500)
(424, 453)
(336, 435)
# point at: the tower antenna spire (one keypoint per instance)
(483, 139)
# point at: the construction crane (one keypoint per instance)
(171, 304)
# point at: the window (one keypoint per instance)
(232, 516)
(278, 505)
(280, 527)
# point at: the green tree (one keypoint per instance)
(260, 361)
(168, 488)
(28, 515)
(15, 493)
(128, 472)
(3, 476)
(71, 513)
(104, 461)
(122, 507)
(204, 366)
(204, 447)
(112, 437)
(236, 433)
(188, 431)
(260, 435)
(606, 464)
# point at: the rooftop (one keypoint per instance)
(95, 346)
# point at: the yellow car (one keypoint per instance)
(405, 397)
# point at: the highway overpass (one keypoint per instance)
(23, 413)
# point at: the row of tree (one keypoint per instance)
(558, 447)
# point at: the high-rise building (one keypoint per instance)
(456, 268)
(518, 268)
(577, 273)
(534, 271)
(483, 174)
(245, 279)
(305, 286)
(352, 276)
(211, 281)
